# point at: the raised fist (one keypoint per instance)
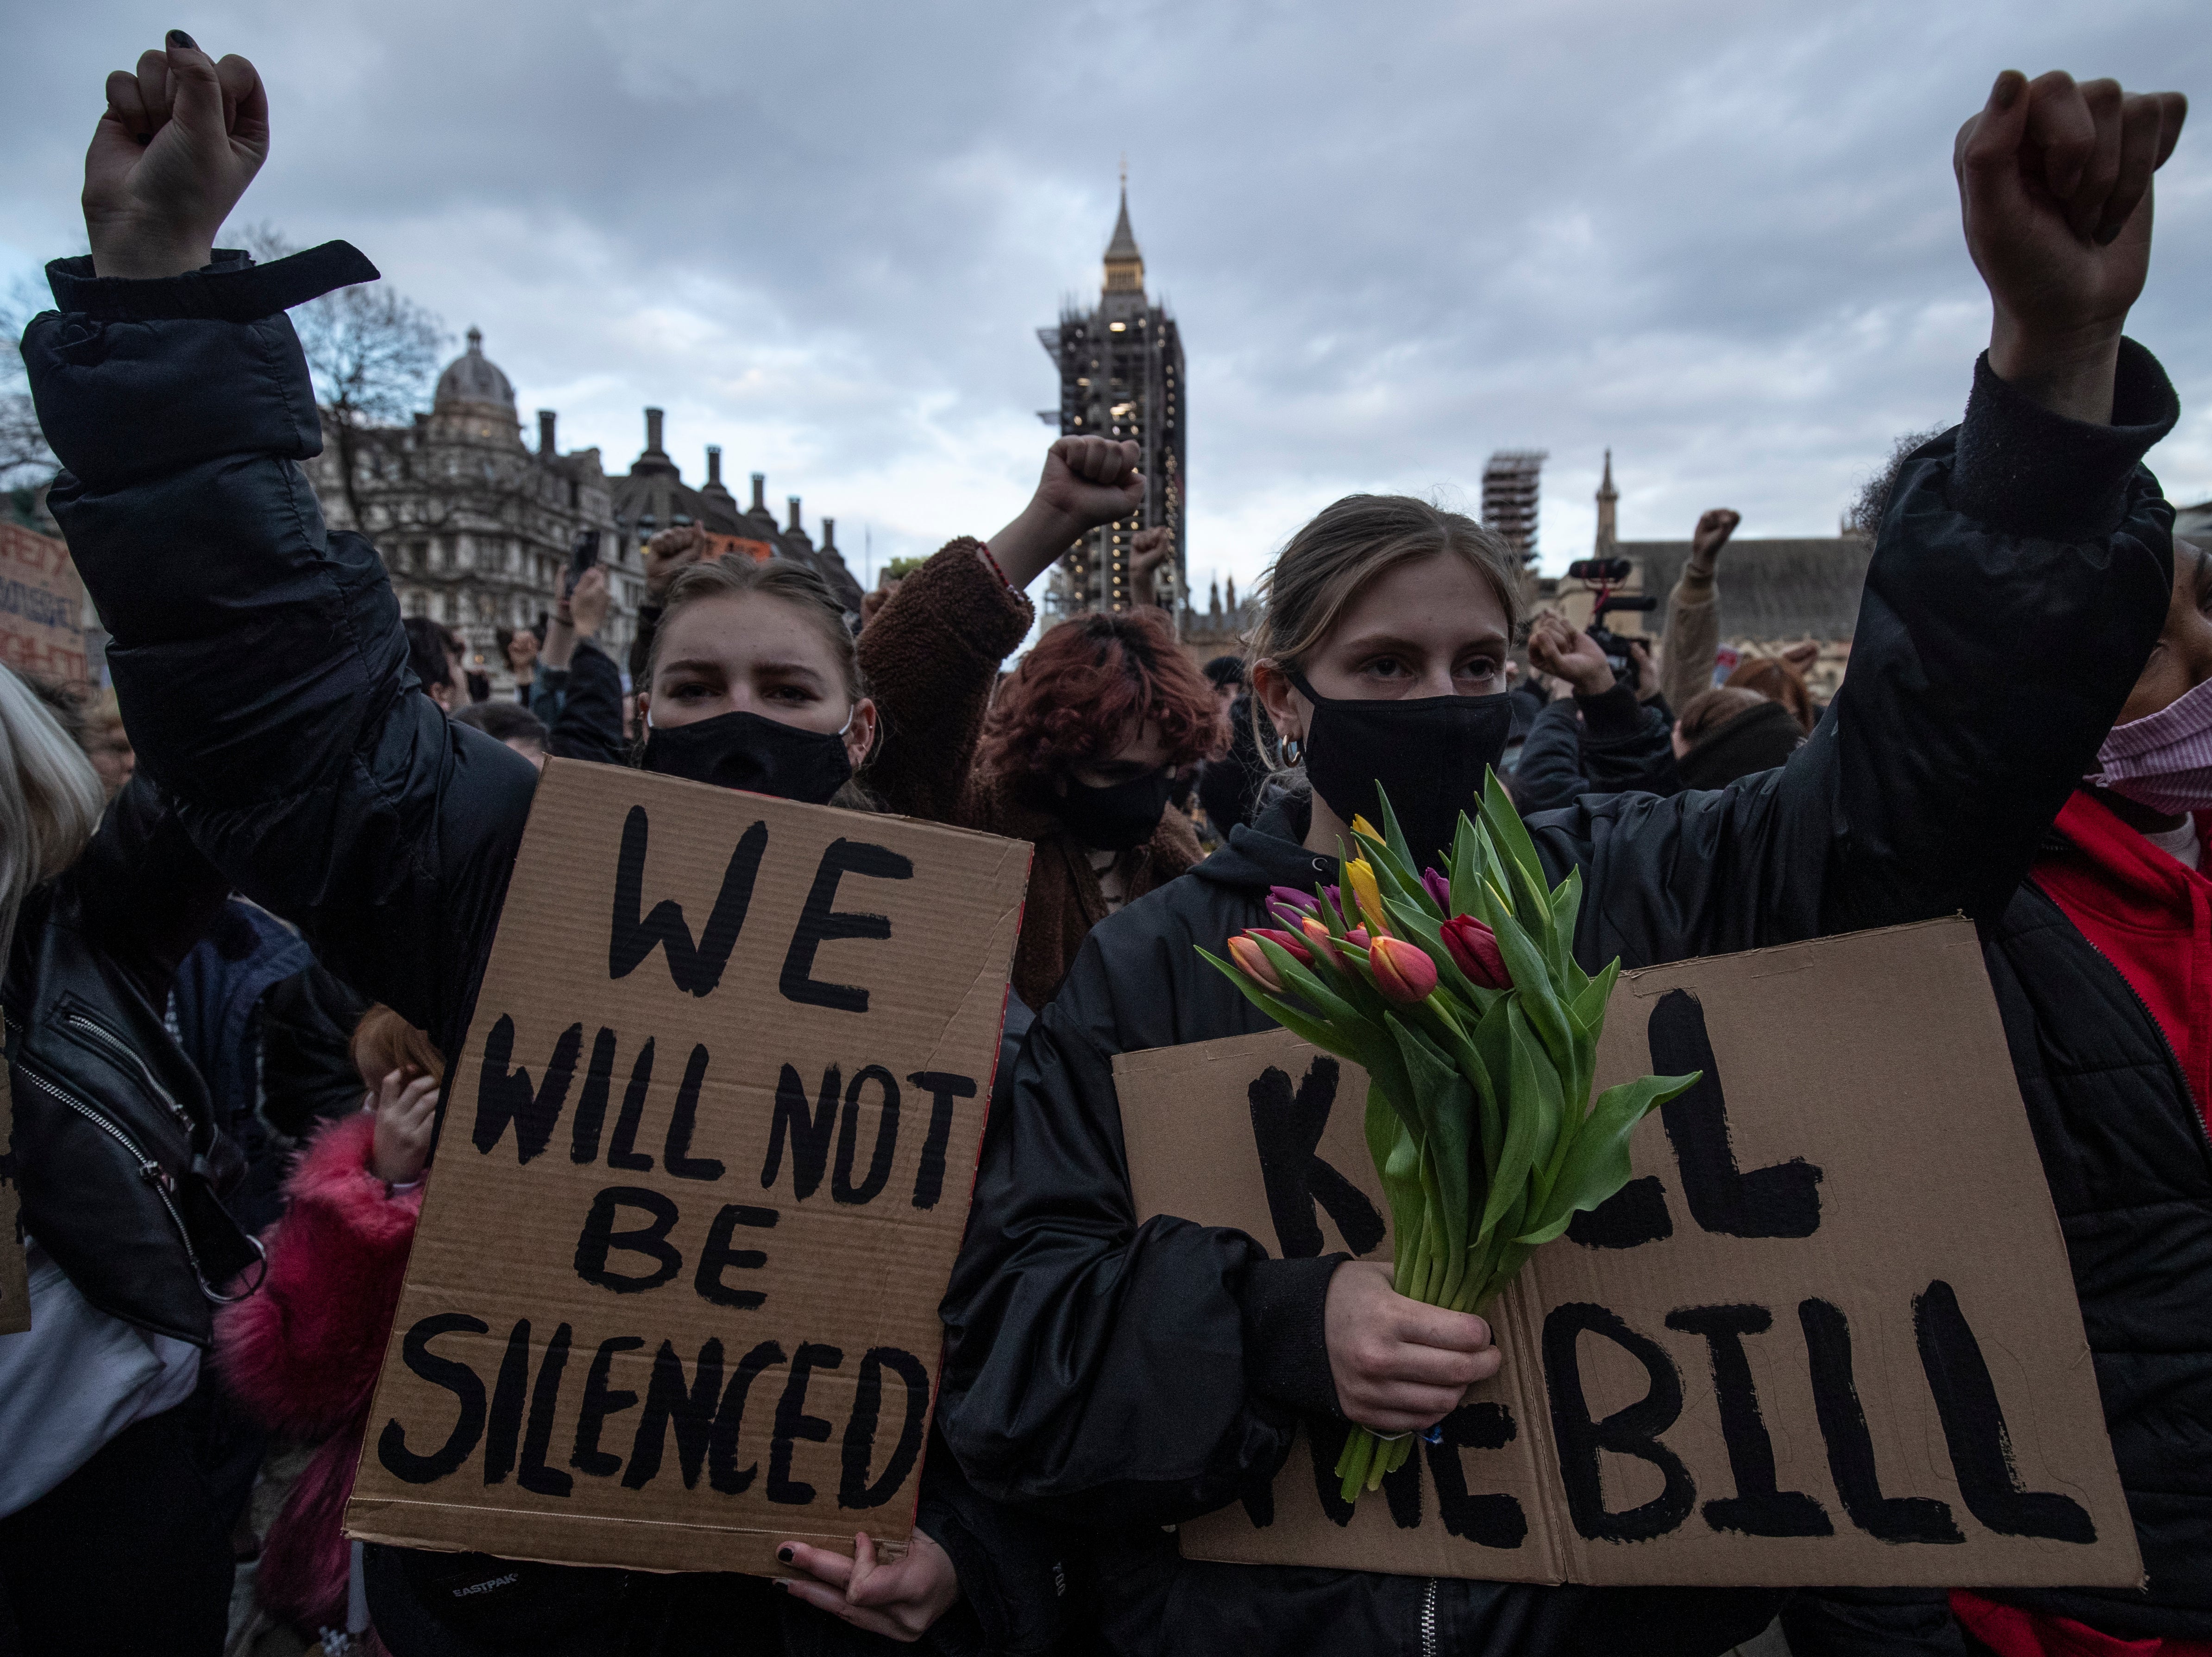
(1088, 481)
(1566, 653)
(668, 552)
(2054, 186)
(180, 142)
(589, 601)
(1712, 532)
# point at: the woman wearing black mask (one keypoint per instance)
(263, 667)
(1078, 755)
(1133, 1373)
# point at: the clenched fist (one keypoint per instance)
(180, 140)
(1087, 482)
(2055, 187)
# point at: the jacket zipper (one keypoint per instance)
(150, 1171)
(1429, 1619)
(116, 1044)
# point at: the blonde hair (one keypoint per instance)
(50, 799)
(1342, 551)
(384, 1042)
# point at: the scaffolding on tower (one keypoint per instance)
(1509, 498)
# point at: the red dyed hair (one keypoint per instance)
(1777, 681)
(1086, 688)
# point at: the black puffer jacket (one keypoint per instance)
(121, 1165)
(1131, 1376)
(262, 666)
(1610, 743)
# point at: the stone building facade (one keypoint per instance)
(1773, 592)
(476, 527)
(1122, 375)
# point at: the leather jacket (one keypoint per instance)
(121, 1168)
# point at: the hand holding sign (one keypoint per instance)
(899, 1599)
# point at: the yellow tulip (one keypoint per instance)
(1360, 875)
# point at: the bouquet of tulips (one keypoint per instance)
(1460, 997)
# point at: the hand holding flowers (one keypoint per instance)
(1459, 993)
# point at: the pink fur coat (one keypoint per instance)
(303, 1354)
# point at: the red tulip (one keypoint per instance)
(1403, 971)
(1299, 953)
(1253, 962)
(1473, 949)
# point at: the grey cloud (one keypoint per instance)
(1720, 238)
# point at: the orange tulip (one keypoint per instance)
(1403, 973)
(1252, 961)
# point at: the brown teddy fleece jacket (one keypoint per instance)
(932, 658)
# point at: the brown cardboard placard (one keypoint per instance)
(728, 1246)
(1730, 1374)
(41, 605)
(15, 1284)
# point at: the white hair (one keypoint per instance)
(50, 799)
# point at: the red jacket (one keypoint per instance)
(2150, 915)
(304, 1353)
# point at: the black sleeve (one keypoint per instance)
(1872, 1623)
(2003, 626)
(259, 658)
(589, 723)
(1016, 1569)
(1550, 774)
(1067, 1321)
(1627, 745)
(148, 892)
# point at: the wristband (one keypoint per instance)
(984, 547)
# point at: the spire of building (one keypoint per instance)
(1125, 265)
(1607, 499)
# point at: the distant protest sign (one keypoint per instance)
(705, 1164)
(1826, 1335)
(41, 606)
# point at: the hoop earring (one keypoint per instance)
(1294, 752)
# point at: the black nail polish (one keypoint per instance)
(178, 38)
(785, 1554)
(782, 1586)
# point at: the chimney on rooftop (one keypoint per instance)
(829, 534)
(653, 431)
(794, 511)
(760, 487)
(545, 449)
(714, 465)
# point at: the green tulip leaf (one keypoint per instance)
(1599, 1164)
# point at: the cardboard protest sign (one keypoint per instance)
(41, 606)
(14, 1286)
(705, 1164)
(1826, 1335)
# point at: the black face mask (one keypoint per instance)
(761, 756)
(1114, 819)
(1428, 753)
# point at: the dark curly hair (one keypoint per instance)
(1088, 685)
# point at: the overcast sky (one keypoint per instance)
(1720, 238)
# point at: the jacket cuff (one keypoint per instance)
(1613, 713)
(2023, 469)
(970, 601)
(1285, 1334)
(230, 288)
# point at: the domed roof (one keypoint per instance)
(472, 377)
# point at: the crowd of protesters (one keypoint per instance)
(232, 971)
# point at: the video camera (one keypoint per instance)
(1601, 570)
(1614, 646)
